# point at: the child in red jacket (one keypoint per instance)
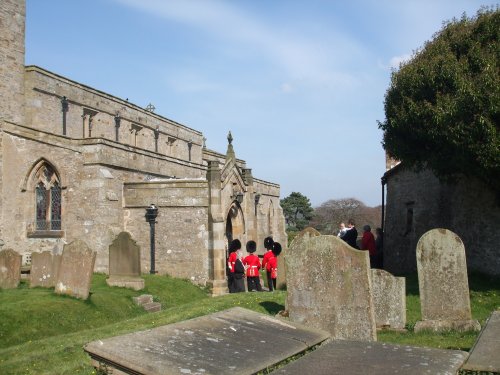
(272, 265)
(252, 264)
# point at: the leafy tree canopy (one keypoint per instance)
(442, 106)
(297, 210)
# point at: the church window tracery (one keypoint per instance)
(47, 199)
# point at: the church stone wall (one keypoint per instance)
(44, 91)
(182, 226)
(418, 202)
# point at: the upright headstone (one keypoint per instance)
(125, 263)
(329, 287)
(44, 269)
(389, 299)
(443, 284)
(10, 269)
(75, 272)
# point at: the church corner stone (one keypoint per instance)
(443, 283)
(329, 287)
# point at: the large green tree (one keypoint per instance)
(297, 210)
(442, 107)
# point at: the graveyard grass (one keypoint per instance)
(43, 333)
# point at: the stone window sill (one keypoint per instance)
(46, 234)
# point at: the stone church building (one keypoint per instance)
(418, 202)
(78, 163)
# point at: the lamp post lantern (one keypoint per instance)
(151, 214)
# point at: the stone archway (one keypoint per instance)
(235, 224)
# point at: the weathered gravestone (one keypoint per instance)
(389, 299)
(44, 269)
(329, 287)
(75, 272)
(281, 280)
(10, 269)
(125, 263)
(443, 284)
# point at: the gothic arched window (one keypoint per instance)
(47, 199)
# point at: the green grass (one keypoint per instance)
(43, 333)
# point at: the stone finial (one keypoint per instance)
(230, 151)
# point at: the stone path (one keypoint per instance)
(485, 354)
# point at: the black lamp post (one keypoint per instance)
(151, 214)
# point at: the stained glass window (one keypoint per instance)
(48, 200)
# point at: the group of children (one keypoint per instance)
(238, 266)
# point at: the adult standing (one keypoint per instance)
(368, 243)
(351, 235)
(239, 273)
(233, 247)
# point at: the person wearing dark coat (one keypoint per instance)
(233, 247)
(239, 273)
(351, 235)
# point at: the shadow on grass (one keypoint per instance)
(272, 307)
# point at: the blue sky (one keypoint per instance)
(300, 84)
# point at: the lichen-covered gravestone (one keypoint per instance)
(75, 272)
(443, 284)
(125, 263)
(44, 269)
(10, 269)
(389, 299)
(329, 287)
(281, 281)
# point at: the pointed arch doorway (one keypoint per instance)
(235, 225)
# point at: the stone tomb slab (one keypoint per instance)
(233, 341)
(375, 358)
(485, 354)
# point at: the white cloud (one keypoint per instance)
(324, 61)
(397, 60)
(286, 88)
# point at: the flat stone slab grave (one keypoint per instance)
(375, 358)
(233, 341)
(485, 354)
